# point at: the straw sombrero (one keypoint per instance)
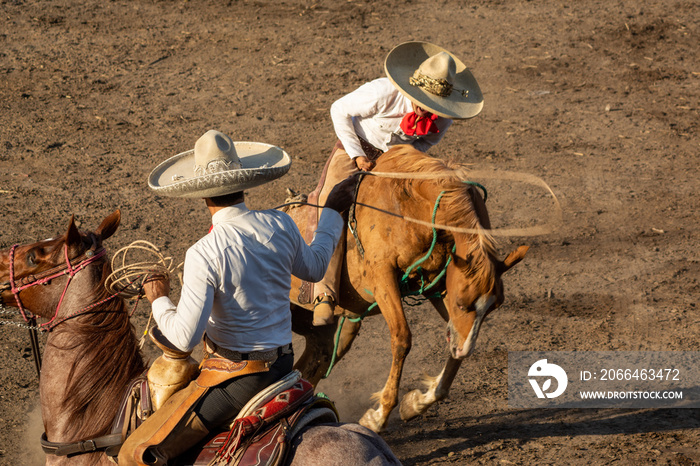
(218, 166)
(434, 79)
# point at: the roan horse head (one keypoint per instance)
(93, 353)
(57, 260)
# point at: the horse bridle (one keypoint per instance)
(70, 268)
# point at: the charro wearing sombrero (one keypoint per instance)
(425, 89)
(235, 288)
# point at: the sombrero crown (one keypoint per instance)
(434, 79)
(218, 166)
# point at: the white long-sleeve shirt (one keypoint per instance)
(374, 112)
(237, 279)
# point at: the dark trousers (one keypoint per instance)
(223, 402)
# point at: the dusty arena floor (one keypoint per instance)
(598, 98)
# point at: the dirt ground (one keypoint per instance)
(599, 98)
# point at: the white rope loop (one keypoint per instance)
(465, 175)
(127, 278)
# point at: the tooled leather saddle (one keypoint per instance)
(260, 434)
(265, 427)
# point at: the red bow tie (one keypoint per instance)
(412, 124)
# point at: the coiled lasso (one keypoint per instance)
(127, 279)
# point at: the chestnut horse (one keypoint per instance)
(91, 353)
(463, 265)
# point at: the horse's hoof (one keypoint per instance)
(369, 420)
(411, 406)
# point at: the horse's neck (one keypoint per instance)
(103, 370)
(55, 382)
(65, 358)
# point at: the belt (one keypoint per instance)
(269, 355)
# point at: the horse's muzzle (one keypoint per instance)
(458, 351)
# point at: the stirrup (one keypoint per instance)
(324, 307)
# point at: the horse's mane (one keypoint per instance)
(110, 358)
(456, 206)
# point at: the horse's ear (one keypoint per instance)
(72, 235)
(109, 225)
(513, 258)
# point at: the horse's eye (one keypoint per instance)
(31, 259)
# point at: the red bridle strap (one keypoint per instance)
(69, 269)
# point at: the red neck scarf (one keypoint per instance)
(412, 124)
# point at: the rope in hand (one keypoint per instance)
(127, 279)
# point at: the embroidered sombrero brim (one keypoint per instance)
(405, 59)
(261, 163)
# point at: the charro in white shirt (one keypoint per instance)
(374, 112)
(224, 273)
